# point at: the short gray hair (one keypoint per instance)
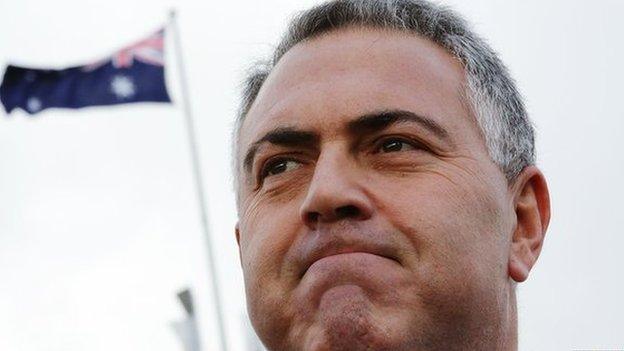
(490, 90)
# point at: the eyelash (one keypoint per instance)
(271, 163)
(379, 143)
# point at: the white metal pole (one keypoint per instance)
(198, 177)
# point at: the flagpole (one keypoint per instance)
(198, 177)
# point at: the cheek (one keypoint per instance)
(267, 233)
(450, 222)
(266, 236)
(454, 244)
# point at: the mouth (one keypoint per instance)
(379, 251)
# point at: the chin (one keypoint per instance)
(345, 320)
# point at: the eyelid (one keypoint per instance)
(272, 163)
(416, 143)
(260, 172)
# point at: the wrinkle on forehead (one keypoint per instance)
(384, 50)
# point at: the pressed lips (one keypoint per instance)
(328, 243)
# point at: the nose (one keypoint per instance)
(335, 192)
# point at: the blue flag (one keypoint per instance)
(133, 74)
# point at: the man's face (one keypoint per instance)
(371, 216)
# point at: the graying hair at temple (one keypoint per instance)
(490, 91)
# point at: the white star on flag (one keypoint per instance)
(33, 104)
(123, 87)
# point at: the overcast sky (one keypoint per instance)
(99, 226)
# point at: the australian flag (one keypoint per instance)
(133, 74)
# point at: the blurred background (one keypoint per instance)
(99, 225)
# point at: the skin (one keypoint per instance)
(390, 234)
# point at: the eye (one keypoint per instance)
(278, 166)
(396, 144)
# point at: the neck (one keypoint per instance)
(502, 331)
(509, 339)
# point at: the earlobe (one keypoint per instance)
(532, 209)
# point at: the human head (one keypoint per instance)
(497, 200)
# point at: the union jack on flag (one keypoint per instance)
(134, 73)
(149, 50)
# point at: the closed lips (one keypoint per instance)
(380, 251)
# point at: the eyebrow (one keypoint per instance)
(370, 122)
(284, 136)
(377, 121)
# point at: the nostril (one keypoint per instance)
(349, 211)
(339, 213)
(312, 217)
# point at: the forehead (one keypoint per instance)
(325, 82)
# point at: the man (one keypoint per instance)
(387, 192)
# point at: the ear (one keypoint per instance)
(532, 208)
(237, 233)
